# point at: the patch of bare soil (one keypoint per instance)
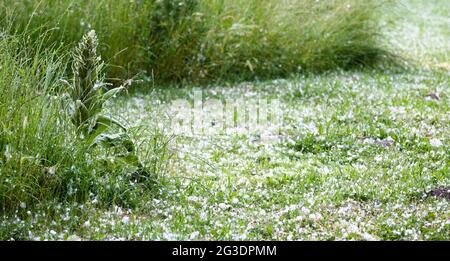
(440, 193)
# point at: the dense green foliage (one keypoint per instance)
(210, 39)
(42, 158)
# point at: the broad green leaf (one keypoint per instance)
(108, 121)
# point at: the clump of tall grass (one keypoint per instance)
(175, 40)
(33, 140)
(44, 150)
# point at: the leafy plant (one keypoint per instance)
(50, 155)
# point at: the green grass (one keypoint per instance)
(32, 140)
(204, 40)
(42, 159)
(326, 177)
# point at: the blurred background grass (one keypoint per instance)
(203, 40)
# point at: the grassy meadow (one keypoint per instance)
(87, 145)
